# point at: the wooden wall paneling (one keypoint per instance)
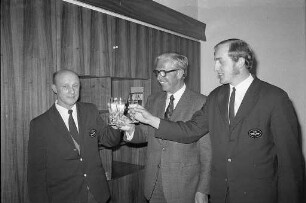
(26, 69)
(37, 69)
(131, 50)
(134, 154)
(70, 32)
(85, 32)
(96, 91)
(121, 47)
(156, 51)
(11, 33)
(143, 53)
(83, 40)
(128, 189)
(56, 23)
(101, 27)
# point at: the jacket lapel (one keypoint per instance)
(181, 105)
(249, 101)
(223, 97)
(160, 112)
(59, 125)
(162, 105)
(81, 122)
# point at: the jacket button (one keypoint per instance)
(229, 160)
(85, 174)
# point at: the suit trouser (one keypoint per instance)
(158, 194)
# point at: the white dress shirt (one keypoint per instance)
(177, 96)
(241, 89)
(65, 116)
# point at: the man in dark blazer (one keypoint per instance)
(175, 172)
(256, 155)
(63, 167)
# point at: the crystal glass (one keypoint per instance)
(116, 108)
(132, 100)
(112, 109)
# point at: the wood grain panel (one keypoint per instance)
(131, 50)
(96, 91)
(71, 35)
(143, 51)
(122, 42)
(101, 44)
(26, 69)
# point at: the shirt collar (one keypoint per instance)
(178, 94)
(63, 110)
(244, 85)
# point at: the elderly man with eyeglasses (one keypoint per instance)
(175, 172)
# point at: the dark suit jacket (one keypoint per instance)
(185, 168)
(57, 173)
(259, 157)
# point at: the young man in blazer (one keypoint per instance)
(257, 155)
(175, 172)
(64, 165)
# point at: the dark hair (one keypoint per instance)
(178, 61)
(239, 49)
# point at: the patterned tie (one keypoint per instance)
(72, 127)
(169, 109)
(231, 110)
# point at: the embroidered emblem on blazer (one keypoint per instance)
(92, 133)
(255, 133)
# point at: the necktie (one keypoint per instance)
(169, 109)
(231, 109)
(72, 127)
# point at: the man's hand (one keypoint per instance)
(201, 198)
(124, 123)
(142, 115)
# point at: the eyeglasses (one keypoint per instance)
(163, 73)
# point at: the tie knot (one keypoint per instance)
(70, 111)
(234, 89)
(171, 97)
